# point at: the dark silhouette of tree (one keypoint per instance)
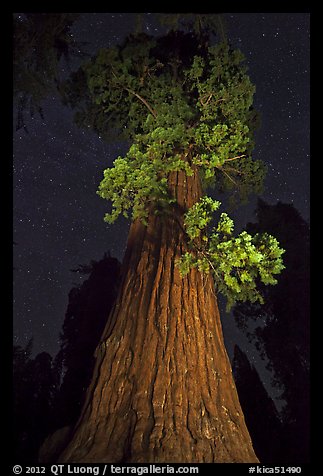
(34, 389)
(41, 40)
(283, 336)
(259, 409)
(88, 308)
(49, 394)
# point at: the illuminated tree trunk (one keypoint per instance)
(162, 389)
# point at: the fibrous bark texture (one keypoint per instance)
(162, 389)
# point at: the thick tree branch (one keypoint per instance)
(207, 100)
(143, 100)
(239, 172)
(235, 158)
(229, 177)
(131, 91)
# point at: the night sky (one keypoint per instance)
(57, 167)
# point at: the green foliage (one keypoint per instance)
(224, 135)
(199, 216)
(170, 95)
(165, 118)
(225, 224)
(181, 104)
(237, 263)
(133, 183)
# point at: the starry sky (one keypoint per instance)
(57, 215)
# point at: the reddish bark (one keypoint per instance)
(162, 389)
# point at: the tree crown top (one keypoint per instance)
(183, 104)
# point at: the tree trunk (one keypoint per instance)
(162, 389)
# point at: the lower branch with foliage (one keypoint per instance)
(237, 263)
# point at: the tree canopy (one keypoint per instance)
(183, 103)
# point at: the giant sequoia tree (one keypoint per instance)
(162, 388)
